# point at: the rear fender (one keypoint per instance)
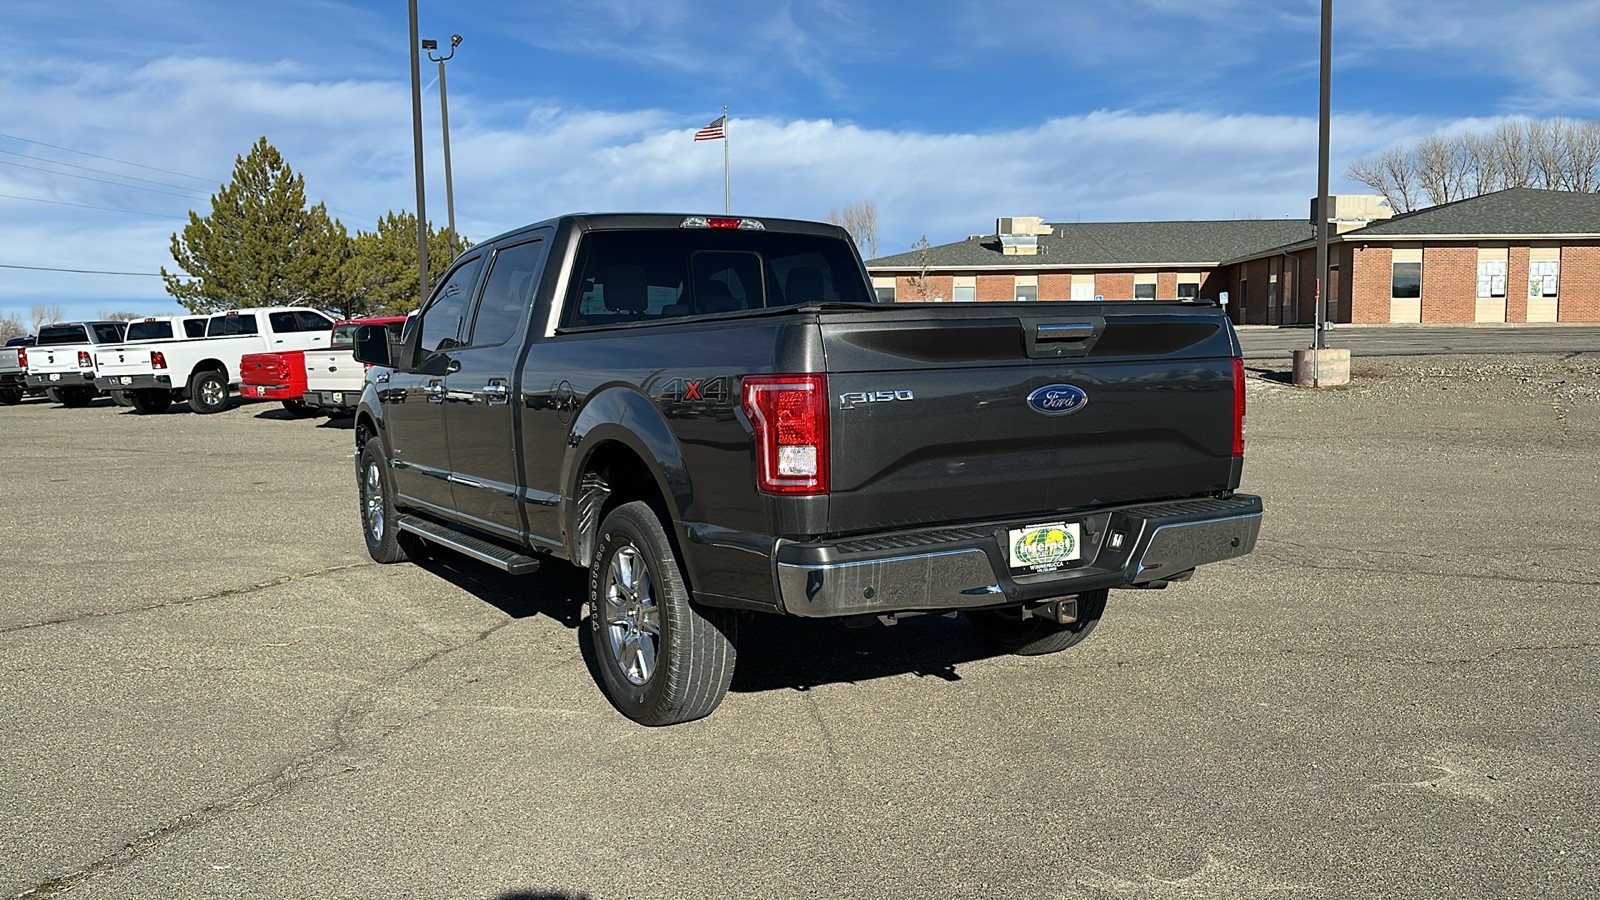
(622, 415)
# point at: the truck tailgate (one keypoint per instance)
(123, 359)
(932, 421)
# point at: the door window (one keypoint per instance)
(311, 321)
(508, 293)
(441, 321)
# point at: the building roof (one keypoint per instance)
(1514, 211)
(1124, 244)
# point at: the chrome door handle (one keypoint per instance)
(435, 391)
(496, 393)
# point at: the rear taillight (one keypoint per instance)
(22, 357)
(790, 416)
(85, 361)
(1238, 407)
(158, 360)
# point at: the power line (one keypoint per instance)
(55, 162)
(7, 162)
(109, 159)
(132, 212)
(77, 271)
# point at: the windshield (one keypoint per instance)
(149, 331)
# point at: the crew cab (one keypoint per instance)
(14, 370)
(333, 377)
(147, 330)
(279, 375)
(205, 371)
(713, 415)
(62, 359)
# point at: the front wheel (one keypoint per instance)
(1034, 636)
(150, 401)
(77, 398)
(662, 658)
(208, 392)
(377, 505)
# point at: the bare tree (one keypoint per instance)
(43, 314)
(119, 316)
(11, 325)
(1583, 156)
(861, 220)
(1441, 169)
(1390, 173)
(923, 254)
(1545, 153)
(1482, 166)
(1510, 141)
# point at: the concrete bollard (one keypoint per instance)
(1321, 368)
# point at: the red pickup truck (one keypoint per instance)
(278, 375)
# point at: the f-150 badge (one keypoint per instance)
(1058, 399)
(853, 399)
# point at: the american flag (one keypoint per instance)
(713, 132)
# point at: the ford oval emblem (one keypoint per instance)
(1058, 399)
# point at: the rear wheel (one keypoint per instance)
(11, 396)
(122, 398)
(76, 397)
(1034, 636)
(378, 524)
(151, 400)
(208, 392)
(662, 658)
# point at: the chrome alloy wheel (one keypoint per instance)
(372, 488)
(213, 392)
(632, 617)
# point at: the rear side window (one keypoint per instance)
(508, 293)
(194, 327)
(109, 332)
(283, 322)
(344, 336)
(229, 326)
(63, 334)
(661, 274)
(149, 331)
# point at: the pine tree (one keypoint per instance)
(260, 245)
(381, 272)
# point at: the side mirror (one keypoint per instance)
(372, 346)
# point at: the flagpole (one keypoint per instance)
(727, 183)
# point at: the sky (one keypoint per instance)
(117, 119)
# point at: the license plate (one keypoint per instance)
(338, 397)
(126, 379)
(55, 376)
(1045, 547)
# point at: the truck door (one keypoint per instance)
(299, 329)
(482, 396)
(414, 401)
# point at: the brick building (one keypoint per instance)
(1519, 255)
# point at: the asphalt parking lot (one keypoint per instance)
(209, 691)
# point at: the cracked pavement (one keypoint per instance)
(209, 691)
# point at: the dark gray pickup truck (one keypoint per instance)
(713, 415)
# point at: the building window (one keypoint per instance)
(1027, 293)
(1188, 290)
(1144, 291)
(885, 294)
(1406, 281)
(1491, 278)
(1543, 276)
(964, 293)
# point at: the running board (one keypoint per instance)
(505, 560)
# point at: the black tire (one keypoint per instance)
(53, 394)
(151, 401)
(1008, 630)
(11, 396)
(76, 398)
(122, 398)
(208, 392)
(376, 489)
(299, 409)
(662, 658)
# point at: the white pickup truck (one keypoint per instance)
(14, 370)
(203, 371)
(142, 331)
(62, 361)
(334, 380)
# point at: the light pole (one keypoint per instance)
(416, 146)
(444, 117)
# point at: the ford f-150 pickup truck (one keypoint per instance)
(712, 415)
(203, 371)
(62, 361)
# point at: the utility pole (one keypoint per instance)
(416, 150)
(444, 117)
